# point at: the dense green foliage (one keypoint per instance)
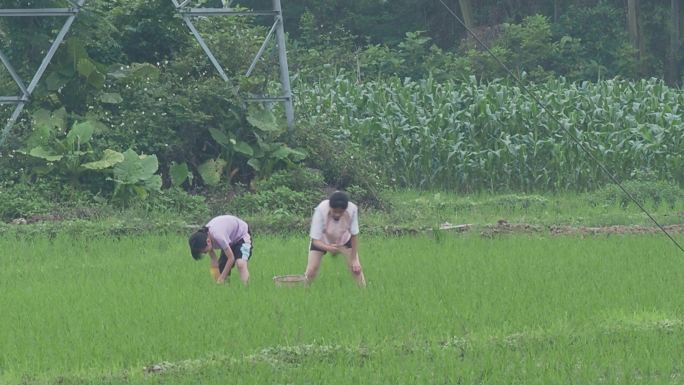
(471, 136)
(131, 141)
(173, 211)
(580, 39)
(154, 96)
(386, 93)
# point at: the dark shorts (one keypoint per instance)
(314, 248)
(237, 250)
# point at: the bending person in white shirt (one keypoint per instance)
(335, 230)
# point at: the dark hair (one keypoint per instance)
(198, 242)
(339, 200)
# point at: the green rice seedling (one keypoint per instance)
(510, 309)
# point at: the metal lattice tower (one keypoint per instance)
(187, 13)
(21, 100)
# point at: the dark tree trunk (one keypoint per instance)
(467, 13)
(633, 27)
(673, 70)
(556, 11)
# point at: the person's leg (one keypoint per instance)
(354, 266)
(223, 260)
(242, 251)
(242, 269)
(313, 264)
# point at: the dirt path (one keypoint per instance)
(616, 229)
(503, 227)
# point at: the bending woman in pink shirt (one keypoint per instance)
(335, 230)
(231, 235)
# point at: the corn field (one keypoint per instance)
(472, 136)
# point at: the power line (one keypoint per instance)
(567, 131)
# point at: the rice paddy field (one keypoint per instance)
(456, 309)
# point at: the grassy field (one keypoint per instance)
(424, 210)
(516, 309)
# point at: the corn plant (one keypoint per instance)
(473, 136)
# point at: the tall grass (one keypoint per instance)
(516, 309)
(473, 136)
(423, 210)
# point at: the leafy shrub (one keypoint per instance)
(278, 222)
(86, 229)
(22, 201)
(176, 200)
(48, 199)
(607, 57)
(644, 191)
(415, 57)
(297, 179)
(342, 162)
(63, 154)
(530, 45)
(281, 199)
(316, 46)
(149, 18)
(366, 197)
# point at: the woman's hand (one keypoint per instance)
(356, 267)
(334, 249)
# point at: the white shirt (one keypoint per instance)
(326, 229)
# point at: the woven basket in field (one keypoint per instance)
(289, 280)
